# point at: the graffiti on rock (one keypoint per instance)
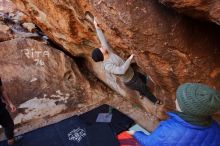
(37, 55)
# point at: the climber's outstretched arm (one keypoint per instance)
(101, 37)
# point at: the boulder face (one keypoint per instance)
(40, 80)
(46, 84)
(208, 10)
(5, 33)
(6, 6)
(170, 48)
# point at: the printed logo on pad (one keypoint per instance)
(77, 134)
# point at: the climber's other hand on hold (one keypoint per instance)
(96, 23)
(131, 57)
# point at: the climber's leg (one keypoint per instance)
(142, 77)
(138, 82)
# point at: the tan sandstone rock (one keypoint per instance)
(45, 83)
(5, 33)
(6, 6)
(42, 81)
(29, 26)
(208, 10)
(169, 47)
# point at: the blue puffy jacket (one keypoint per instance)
(177, 132)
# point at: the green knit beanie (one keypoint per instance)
(198, 99)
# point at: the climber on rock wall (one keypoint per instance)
(5, 119)
(191, 124)
(113, 64)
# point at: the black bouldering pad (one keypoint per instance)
(101, 135)
(119, 122)
(69, 132)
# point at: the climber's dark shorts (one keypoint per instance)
(139, 83)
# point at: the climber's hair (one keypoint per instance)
(97, 55)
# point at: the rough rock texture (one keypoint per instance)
(7, 6)
(48, 85)
(203, 9)
(171, 48)
(45, 84)
(5, 33)
(40, 80)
